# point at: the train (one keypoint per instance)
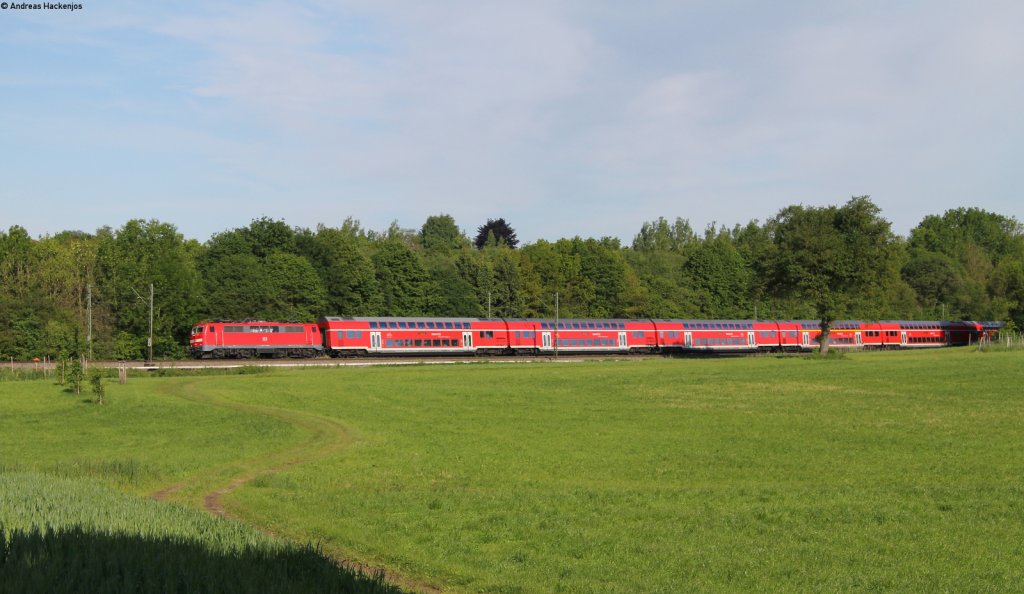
(337, 336)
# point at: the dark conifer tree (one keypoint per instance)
(501, 231)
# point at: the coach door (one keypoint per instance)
(622, 340)
(751, 341)
(805, 339)
(545, 340)
(903, 338)
(374, 342)
(859, 338)
(467, 340)
(688, 339)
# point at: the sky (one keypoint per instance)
(564, 117)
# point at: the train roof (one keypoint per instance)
(252, 321)
(403, 319)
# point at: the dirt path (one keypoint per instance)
(324, 437)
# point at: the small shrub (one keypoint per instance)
(76, 376)
(96, 381)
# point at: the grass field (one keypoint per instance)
(878, 471)
(75, 535)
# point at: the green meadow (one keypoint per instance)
(875, 471)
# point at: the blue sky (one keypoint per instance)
(574, 117)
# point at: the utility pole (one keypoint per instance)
(488, 305)
(556, 324)
(88, 309)
(149, 341)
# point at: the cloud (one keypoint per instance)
(565, 117)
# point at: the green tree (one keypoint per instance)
(294, 289)
(506, 289)
(266, 237)
(719, 277)
(834, 258)
(1007, 281)
(755, 246)
(77, 375)
(405, 286)
(553, 268)
(658, 258)
(966, 248)
(602, 264)
(143, 253)
(96, 381)
(236, 288)
(341, 256)
(661, 236)
(440, 233)
(937, 281)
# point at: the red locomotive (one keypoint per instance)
(351, 336)
(251, 338)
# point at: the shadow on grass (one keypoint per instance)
(76, 560)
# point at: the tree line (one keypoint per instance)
(822, 263)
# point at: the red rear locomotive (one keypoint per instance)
(253, 338)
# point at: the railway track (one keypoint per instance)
(184, 364)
